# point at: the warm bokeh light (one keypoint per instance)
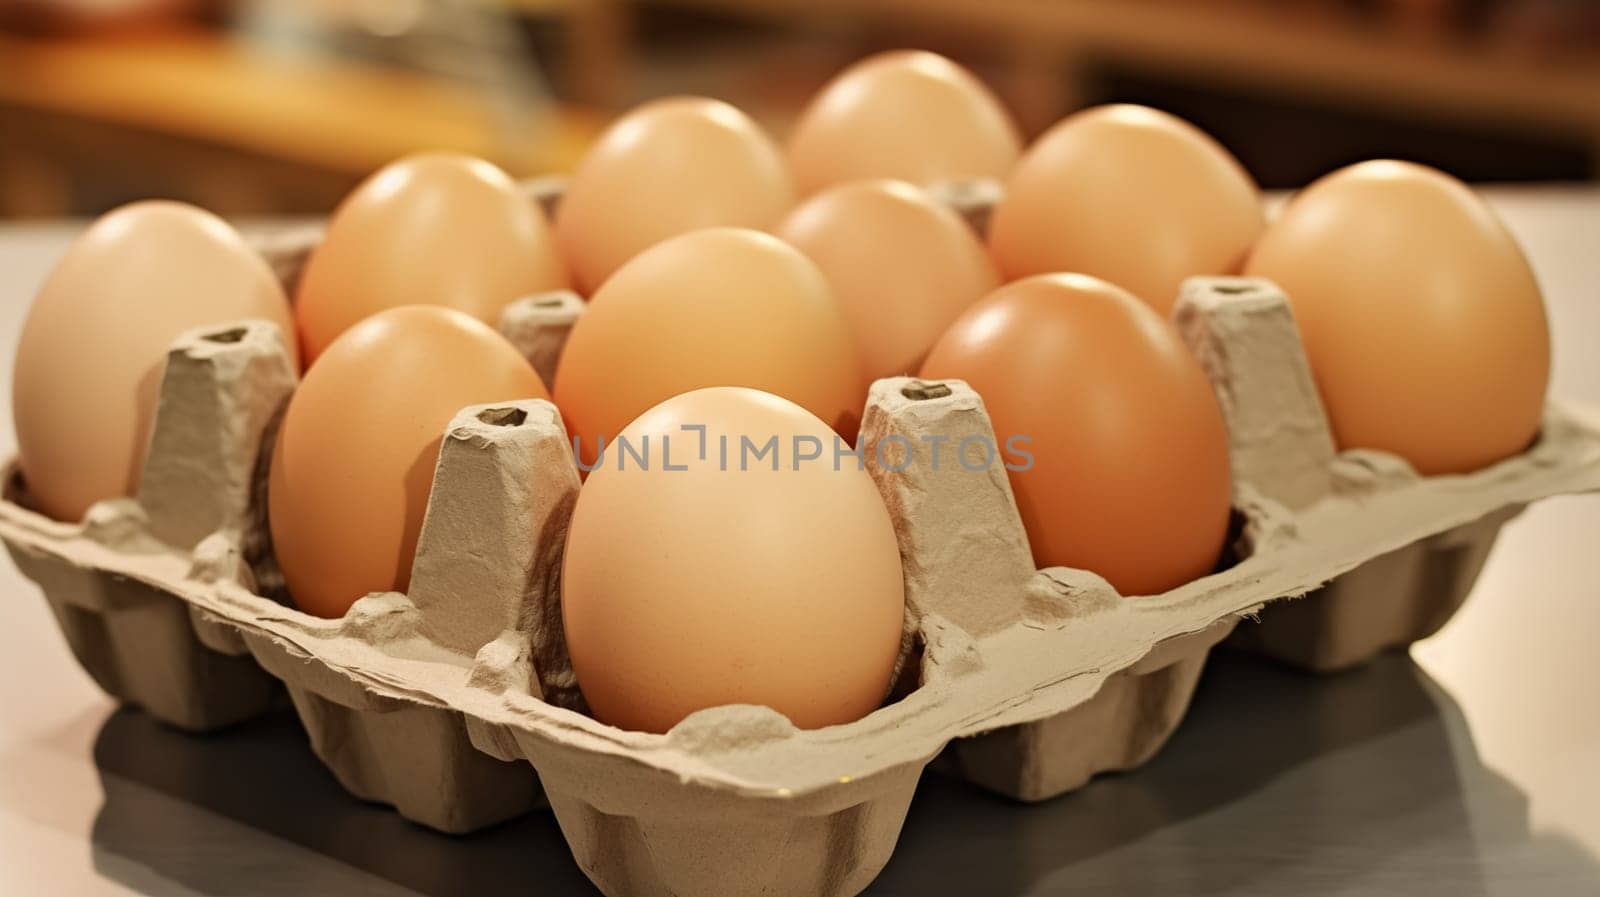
(281, 106)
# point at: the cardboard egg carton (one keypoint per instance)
(456, 703)
(1390, 601)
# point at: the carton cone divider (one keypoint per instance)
(961, 538)
(489, 555)
(538, 326)
(221, 395)
(1243, 332)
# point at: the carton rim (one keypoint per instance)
(1290, 560)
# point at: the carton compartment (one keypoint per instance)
(985, 580)
(1387, 603)
(692, 840)
(1122, 727)
(483, 588)
(417, 759)
(138, 642)
(414, 755)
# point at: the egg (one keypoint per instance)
(1130, 195)
(94, 347)
(713, 576)
(668, 167)
(901, 266)
(714, 307)
(910, 115)
(353, 462)
(1117, 450)
(430, 229)
(1423, 323)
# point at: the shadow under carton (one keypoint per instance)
(456, 702)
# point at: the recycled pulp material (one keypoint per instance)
(1388, 602)
(733, 800)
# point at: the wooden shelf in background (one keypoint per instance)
(1284, 47)
(333, 116)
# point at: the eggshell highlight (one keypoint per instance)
(1129, 473)
(770, 581)
(665, 168)
(430, 229)
(1423, 323)
(901, 266)
(909, 114)
(1130, 195)
(715, 307)
(94, 346)
(353, 463)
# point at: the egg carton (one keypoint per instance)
(1391, 601)
(456, 704)
(1387, 603)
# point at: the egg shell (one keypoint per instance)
(1424, 324)
(665, 168)
(354, 457)
(908, 115)
(714, 307)
(1130, 195)
(734, 801)
(901, 266)
(93, 348)
(430, 229)
(1121, 465)
(702, 577)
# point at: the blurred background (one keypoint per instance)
(257, 107)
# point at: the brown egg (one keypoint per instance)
(901, 265)
(1129, 472)
(717, 307)
(703, 580)
(94, 347)
(354, 459)
(1130, 195)
(910, 115)
(665, 168)
(1423, 323)
(430, 229)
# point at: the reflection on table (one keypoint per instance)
(1278, 783)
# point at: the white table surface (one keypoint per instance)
(1471, 767)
